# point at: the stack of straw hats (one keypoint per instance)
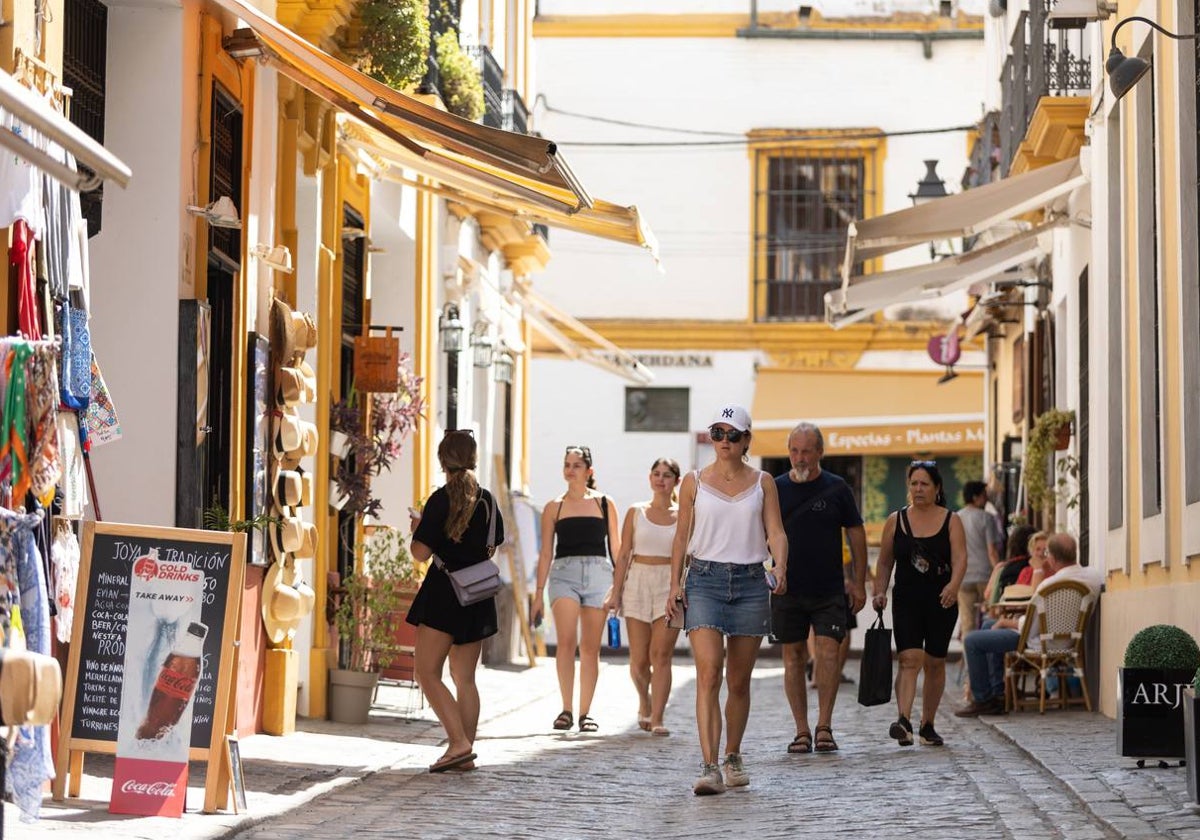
(287, 598)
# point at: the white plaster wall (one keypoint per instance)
(698, 199)
(575, 403)
(137, 259)
(393, 288)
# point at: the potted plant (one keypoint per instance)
(1191, 748)
(1160, 661)
(391, 41)
(367, 602)
(1043, 439)
(460, 80)
(374, 440)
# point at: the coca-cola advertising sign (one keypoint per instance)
(164, 659)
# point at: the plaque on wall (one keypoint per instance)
(656, 409)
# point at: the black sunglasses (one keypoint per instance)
(733, 435)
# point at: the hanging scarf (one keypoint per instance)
(31, 763)
(14, 423)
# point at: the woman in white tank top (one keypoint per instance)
(641, 586)
(730, 525)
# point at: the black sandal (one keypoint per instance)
(802, 743)
(564, 720)
(825, 742)
(586, 724)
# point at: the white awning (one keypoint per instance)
(864, 295)
(964, 214)
(549, 320)
(36, 113)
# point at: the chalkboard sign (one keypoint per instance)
(95, 670)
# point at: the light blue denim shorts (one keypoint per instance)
(729, 597)
(583, 579)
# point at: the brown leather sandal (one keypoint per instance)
(825, 742)
(802, 743)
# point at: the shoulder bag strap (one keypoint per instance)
(491, 540)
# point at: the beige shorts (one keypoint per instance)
(646, 590)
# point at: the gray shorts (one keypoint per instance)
(585, 580)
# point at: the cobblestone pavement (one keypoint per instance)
(1023, 775)
(533, 782)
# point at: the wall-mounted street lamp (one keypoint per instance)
(1125, 71)
(483, 348)
(503, 370)
(450, 330)
(450, 342)
(930, 188)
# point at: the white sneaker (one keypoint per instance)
(735, 771)
(709, 782)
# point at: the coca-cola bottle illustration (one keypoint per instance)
(175, 684)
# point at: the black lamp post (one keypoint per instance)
(450, 339)
(1125, 71)
(930, 188)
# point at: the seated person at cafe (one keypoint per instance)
(984, 649)
(1021, 544)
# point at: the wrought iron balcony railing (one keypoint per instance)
(516, 115)
(493, 86)
(1042, 62)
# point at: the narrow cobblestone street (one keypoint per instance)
(533, 782)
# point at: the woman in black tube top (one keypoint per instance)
(575, 565)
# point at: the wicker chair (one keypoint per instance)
(1054, 621)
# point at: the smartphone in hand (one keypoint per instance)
(772, 582)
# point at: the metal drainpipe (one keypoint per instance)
(926, 38)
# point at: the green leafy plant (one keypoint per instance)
(461, 82)
(374, 445)
(1163, 646)
(216, 518)
(368, 600)
(393, 45)
(1039, 450)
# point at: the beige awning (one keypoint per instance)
(521, 164)
(863, 295)
(550, 321)
(603, 219)
(33, 111)
(964, 214)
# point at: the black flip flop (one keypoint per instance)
(451, 761)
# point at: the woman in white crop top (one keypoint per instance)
(641, 584)
(726, 600)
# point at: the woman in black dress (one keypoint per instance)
(928, 547)
(454, 525)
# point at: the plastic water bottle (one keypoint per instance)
(614, 631)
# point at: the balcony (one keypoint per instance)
(493, 86)
(516, 115)
(1043, 62)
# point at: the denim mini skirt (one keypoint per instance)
(730, 597)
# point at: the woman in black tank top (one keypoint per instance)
(579, 538)
(927, 545)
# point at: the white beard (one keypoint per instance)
(801, 475)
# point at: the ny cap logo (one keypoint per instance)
(727, 413)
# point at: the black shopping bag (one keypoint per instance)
(875, 676)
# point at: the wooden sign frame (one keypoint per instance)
(233, 766)
(71, 749)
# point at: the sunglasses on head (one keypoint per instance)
(583, 450)
(923, 464)
(468, 432)
(731, 435)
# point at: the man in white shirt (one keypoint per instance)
(985, 649)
